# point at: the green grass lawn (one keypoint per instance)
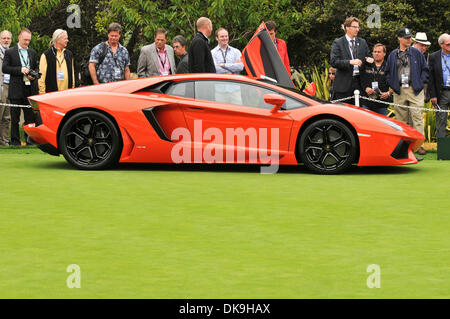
(167, 231)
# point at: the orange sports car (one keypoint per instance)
(214, 118)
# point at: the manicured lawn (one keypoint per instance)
(167, 231)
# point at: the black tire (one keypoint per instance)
(327, 146)
(89, 140)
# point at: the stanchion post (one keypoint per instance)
(356, 92)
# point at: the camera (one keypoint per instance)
(34, 74)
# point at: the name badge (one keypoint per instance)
(60, 75)
(405, 80)
(117, 73)
(355, 70)
(6, 78)
(26, 80)
(447, 83)
(374, 86)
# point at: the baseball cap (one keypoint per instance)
(404, 33)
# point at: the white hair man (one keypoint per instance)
(5, 116)
(56, 65)
(439, 63)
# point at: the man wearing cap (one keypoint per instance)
(348, 54)
(421, 42)
(406, 73)
(440, 82)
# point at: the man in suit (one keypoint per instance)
(348, 54)
(19, 61)
(439, 84)
(200, 57)
(5, 115)
(156, 58)
(279, 44)
(179, 47)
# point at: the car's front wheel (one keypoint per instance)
(90, 140)
(327, 146)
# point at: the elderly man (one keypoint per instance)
(56, 65)
(110, 61)
(439, 63)
(5, 116)
(179, 47)
(21, 63)
(348, 54)
(421, 42)
(200, 58)
(407, 72)
(156, 58)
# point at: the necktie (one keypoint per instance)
(352, 42)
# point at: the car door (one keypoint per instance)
(231, 122)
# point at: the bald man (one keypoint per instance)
(200, 58)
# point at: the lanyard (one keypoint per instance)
(56, 57)
(224, 56)
(22, 59)
(159, 57)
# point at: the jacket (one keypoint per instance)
(148, 64)
(340, 59)
(200, 57)
(13, 66)
(418, 70)
(282, 51)
(436, 82)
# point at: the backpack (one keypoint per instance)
(85, 75)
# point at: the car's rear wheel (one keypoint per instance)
(90, 140)
(327, 146)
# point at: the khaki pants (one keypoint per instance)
(412, 117)
(5, 116)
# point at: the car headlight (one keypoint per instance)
(395, 126)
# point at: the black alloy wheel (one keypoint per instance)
(327, 146)
(90, 140)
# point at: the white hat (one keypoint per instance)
(421, 37)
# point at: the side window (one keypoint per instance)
(239, 94)
(232, 93)
(183, 89)
(292, 103)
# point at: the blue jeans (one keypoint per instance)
(379, 110)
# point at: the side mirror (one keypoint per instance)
(276, 100)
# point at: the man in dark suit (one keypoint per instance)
(348, 53)
(19, 61)
(439, 84)
(200, 58)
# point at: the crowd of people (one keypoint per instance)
(404, 78)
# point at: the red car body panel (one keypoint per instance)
(124, 102)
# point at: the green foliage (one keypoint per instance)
(308, 26)
(319, 77)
